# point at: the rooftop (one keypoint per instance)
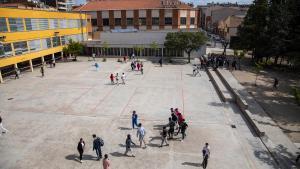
(132, 4)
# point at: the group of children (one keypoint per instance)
(136, 65)
(114, 79)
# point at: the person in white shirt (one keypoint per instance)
(3, 130)
(206, 154)
(141, 134)
(123, 78)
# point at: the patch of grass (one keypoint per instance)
(296, 93)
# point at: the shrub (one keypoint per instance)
(296, 92)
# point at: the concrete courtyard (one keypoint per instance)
(47, 116)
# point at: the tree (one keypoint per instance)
(252, 32)
(73, 49)
(186, 41)
(277, 31)
(105, 46)
(154, 47)
(225, 44)
(138, 49)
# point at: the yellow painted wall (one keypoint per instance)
(40, 34)
(28, 56)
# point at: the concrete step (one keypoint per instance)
(224, 93)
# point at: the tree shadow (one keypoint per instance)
(279, 154)
(192, 164)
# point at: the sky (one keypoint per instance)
(198, 2)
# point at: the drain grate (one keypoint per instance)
(10, 98)
(233, 126)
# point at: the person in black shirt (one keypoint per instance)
(171, 128)
(128, 143)
(164, 136)
(80, 148)
(183, 129)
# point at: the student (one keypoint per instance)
(106, 162)
(174, 119)
(164, 136)
(80, 148)
(4, 130)
(94, 56)
(206, 154)
(97, 144)
(97, 66)
(128, 143)
(17, 72)
(160, 62)
(134, 119)
(141, 134)
(123, 78)
(275, 83)
(117, 78)
(142, 70)
(171, 128)
(298, 157)
(138, 66)
(42, 71)
(183, 128)
(112, 79)
(132, 66)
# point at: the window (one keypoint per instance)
(32, 24)
(63, 40)
(3, 26)
(44, 25)
(83, 22)
(35, 45)
(155, 21)
(20, 47)
(73, 23)
(56, 41)
(192, 21)
(53, 23)
(46, 43)
(142, 21)
(5, 50)
(94, 22)
(168, 21)
(129, 21)
(16, 24)
(117, 21)
(63, 23)
(182, 21)
(105, 22)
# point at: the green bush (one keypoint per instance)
(296, 92)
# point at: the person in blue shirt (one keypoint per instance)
(134, 119)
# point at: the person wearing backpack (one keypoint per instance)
(97, 144)
(171, 128)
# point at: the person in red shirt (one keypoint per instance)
(112, 78)
(138, 66)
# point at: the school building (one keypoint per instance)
(30, 37)
(123, 27)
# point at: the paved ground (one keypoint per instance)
(47, 116)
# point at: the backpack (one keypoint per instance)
(100, 141)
